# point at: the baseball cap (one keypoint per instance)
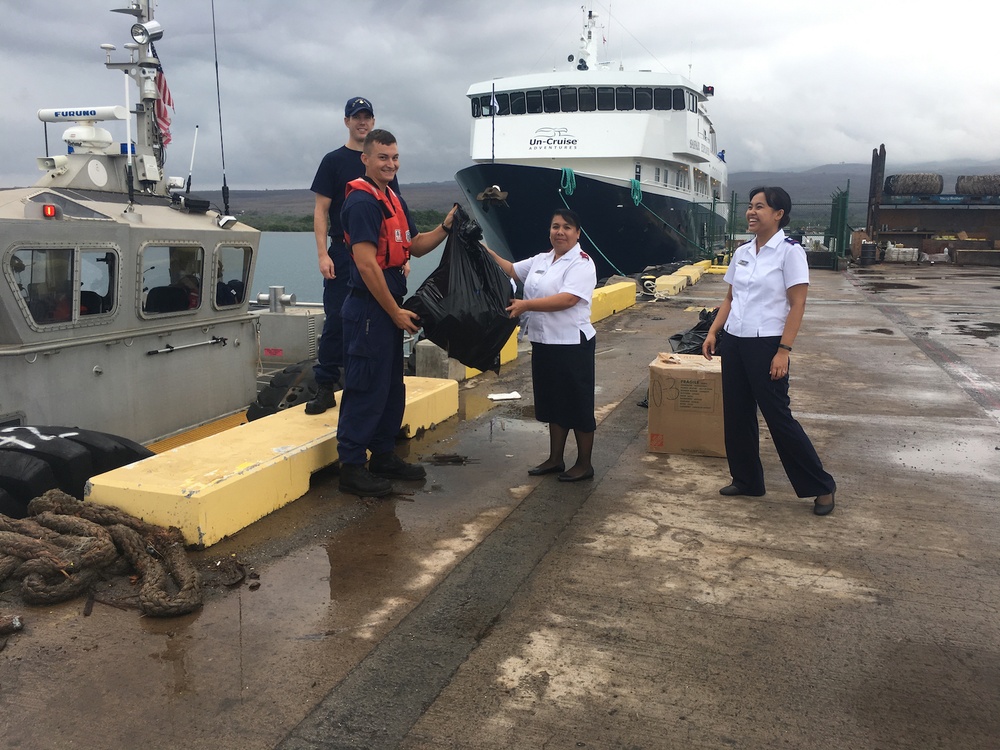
(358, 104)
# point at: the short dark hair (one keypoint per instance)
(569, 216)
(779, 200)
(381, 137)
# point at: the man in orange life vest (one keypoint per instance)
(381, 236)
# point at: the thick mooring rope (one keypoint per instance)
(67, 545)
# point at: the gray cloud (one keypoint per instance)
(797, 84)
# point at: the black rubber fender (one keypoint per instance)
(23, 478)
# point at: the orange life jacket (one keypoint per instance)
(394, 234)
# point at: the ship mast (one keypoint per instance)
(142, 68)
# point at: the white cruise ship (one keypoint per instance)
(634, 153)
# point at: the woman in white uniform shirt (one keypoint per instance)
(555, 313)
(768, 280)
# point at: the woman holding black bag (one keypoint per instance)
(555, 314)
(768, 280)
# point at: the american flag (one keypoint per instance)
(166, 100)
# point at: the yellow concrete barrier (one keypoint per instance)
(717, 270)
(694, 273)
(703, 264)
(668, 286)
(213, 487)
(611, 299)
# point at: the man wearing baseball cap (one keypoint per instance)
(337, 169)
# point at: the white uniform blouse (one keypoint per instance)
(760, 280)
(543, 275)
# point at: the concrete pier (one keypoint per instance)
(486, 609)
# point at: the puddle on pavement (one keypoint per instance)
(883, 286)
(979, 330)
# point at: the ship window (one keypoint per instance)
(643, 98)
(679, 99)
(662, 98)
(232, 269)
(605, 98)
(171, 278)
(624, 99)
(517, 104)
(477, 110)
(503, 104)
(588, 98)
(56, 288)
(550, 100)
(534, 101)
(568, 100)
(45, 281)
(692, 102)
(656, 177)
(484, 104)
(98, 271)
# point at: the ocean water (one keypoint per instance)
(289, 259)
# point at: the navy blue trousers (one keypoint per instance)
(747, 386)
(374, 397)
(331, 341)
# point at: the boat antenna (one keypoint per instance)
(194, 145)
(218, 97)
(128, 134)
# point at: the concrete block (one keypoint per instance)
(612, 298)
(213, 487)
(693, 273)
(668, 286)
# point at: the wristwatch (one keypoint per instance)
(786, 347)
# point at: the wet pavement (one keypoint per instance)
(487, 609)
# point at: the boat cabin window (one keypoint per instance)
(586, 99)
(550, 100)
(568, 100)
(65, 285)
(171, 278)
(643, 98)
(534, 101)
(232, 271)
(517, 103)
(624, 99)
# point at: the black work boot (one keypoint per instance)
(390, 466)
(324, 400)
(356, 479)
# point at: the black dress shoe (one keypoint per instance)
(731, 490)
(589, 474)
(542, 469)
(826, 508)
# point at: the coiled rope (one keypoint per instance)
(67, 545)
(567, 181)
(636, 191)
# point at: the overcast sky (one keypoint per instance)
(797, 84)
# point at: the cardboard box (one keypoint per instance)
(685, 405)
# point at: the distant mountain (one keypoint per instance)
(811, 188)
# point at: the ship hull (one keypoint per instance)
(623, 238)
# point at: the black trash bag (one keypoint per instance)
(462, 304)
(690, 341)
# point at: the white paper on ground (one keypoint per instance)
(504, 396)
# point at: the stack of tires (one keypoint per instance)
(34, 460)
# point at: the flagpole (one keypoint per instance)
(493, 119)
